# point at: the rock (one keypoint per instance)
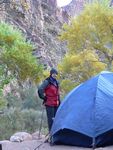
(4, 141)
(40, 21)
(36, 136)
(20, 136)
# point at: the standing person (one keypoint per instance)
(49, 92)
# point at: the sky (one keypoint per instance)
(61, 3)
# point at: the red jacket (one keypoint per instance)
(52, 95)
(49, 92)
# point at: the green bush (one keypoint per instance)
(16, 120)
(16, 54)
(22, 115)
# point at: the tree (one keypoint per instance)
(16, 55)
(93, 30)
(16, 59)
(89, 38)
(77, 68)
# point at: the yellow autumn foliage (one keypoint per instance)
(76, 68)
(93, 30)
(16, 54)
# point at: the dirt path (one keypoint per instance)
(31, 145)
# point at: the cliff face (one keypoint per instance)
(41, 22)
(74, 8)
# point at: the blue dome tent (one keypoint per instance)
(85, 117)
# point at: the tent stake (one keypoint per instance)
(93, 144)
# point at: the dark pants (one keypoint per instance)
(51, 112)
(0, 146)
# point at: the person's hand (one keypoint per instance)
(58, 102)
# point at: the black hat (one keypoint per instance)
(53, 71)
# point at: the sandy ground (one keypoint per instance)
(33, 145)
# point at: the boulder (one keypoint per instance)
(36, 136)
(20, 136)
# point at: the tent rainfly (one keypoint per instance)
(85, 117)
